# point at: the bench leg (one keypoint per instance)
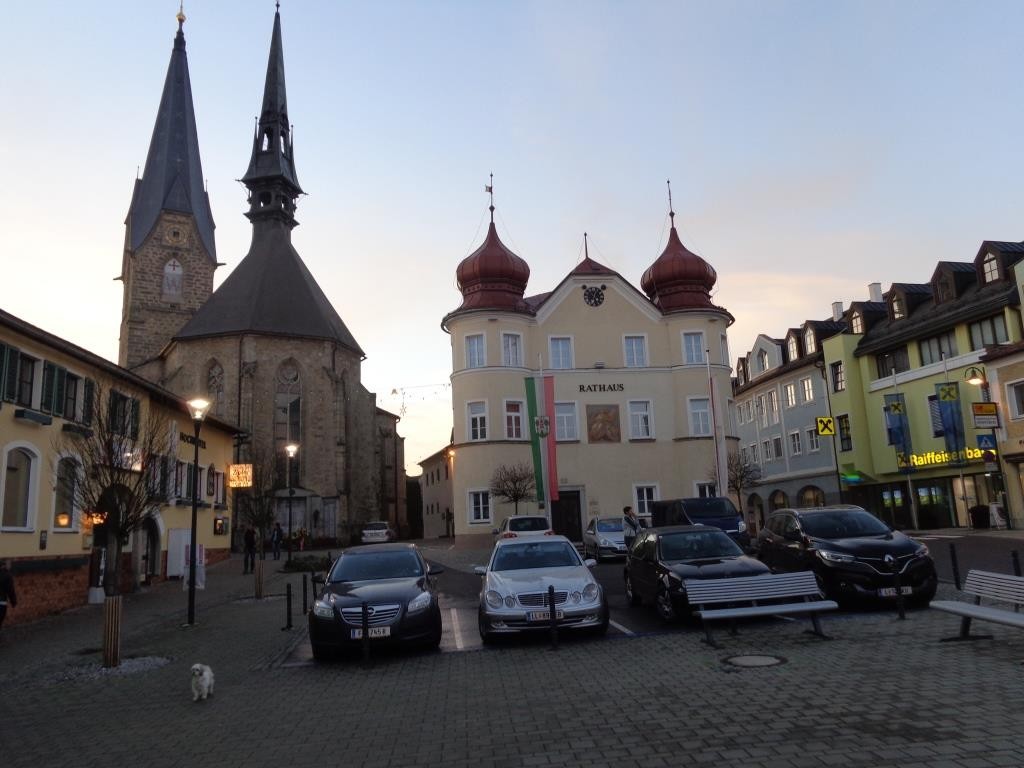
(707, 635)
(733, 627)
(817, 628)
(965, 633)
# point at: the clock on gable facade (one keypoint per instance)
(593, 295)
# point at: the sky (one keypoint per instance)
(813, 148)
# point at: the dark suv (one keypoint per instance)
(854, 554)
(717, 511)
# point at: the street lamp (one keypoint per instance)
(291, 449)
(976, 375)
(197, 410)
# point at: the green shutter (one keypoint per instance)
(10, 382)
(134, 425)
(88, 400)
(49, 374)
(58, 390)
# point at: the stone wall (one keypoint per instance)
(47, 585)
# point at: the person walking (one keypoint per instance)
(630, 526)
(276, 537)
(7, 594)
(249, 557)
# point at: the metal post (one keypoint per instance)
(288, 604)
(366, 633)
(1015, 557)
(553, 618)
(288, 471)
(955, 565)
(899, 589)
(192, 543)
(305, 596)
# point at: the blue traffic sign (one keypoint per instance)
(986, 442)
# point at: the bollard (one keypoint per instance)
(305, 596)
(288, 605)
(258, 580)
(553, 617)
(366, 634)
(955, 565)
(899, 589)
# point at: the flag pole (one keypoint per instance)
(719, 491)
(544, 445)
(959, 463)
(910, 482)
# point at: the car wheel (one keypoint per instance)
(321, 654)
(602, 628)
(597, 553)
(486, 636)
(663, 604)
(631, 596)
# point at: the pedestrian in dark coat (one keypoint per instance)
(8, 597)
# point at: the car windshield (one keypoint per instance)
(610, 526)
(697, 545)
(366, 566)
(842, 524)
(699, 508)
(375, 527)
(521, 524)
(541, 554)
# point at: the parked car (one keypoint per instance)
(854, 554)
(523, 525)
(399, 589)
(604, 537)
(377, 531)
(514, 589)
(662, 558)
(718, 511)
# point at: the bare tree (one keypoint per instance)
(514, 484)
(258, 503)
(743, 473)
(122, 469)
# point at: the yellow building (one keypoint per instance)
(46, 398)
(640, 385)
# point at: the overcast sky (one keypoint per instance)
(813, 147)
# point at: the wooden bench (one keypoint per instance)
(1001, 587)
(770, 594)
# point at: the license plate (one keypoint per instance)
(357, 634)
(891, 591)
(542, 615)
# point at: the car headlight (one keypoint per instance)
(835, 557)
(742, 526)
(606, 543)
(493, 599)
(923, 551)
(590, 592)
(419, 603)
(324, 608)
(575, 597)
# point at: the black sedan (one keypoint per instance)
(855, 555)
(397, 587)
(661, 558)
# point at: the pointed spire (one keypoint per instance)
(173, 176)
(271, 177)
(586, 247)
(489, 189)
(671, 211)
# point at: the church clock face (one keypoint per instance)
(593, 296)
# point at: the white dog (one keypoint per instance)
(202, 682)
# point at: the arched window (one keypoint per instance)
(215, 386)
(811, 496)
(762, 360)
(288, 417)
(794, 348)
(898, 309)
(778, 500)
(18, 482)
(171, 288)
(990, 267)
(857, 322)
(810, 344)
(64, 517)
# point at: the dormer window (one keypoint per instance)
(762, 360)
(794, 348)
(944, 289)
(899, 310)
(810, 344)
(990, 268)
(857, 322)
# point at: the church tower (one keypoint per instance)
(169, 251)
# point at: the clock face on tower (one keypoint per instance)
(593, 295)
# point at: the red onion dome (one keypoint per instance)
(492, 277)
(679, 279)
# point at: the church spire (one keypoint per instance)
(173, 176)
(271, 179)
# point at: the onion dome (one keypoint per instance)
(492, 277)
(679, 279)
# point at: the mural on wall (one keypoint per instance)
(603, 424)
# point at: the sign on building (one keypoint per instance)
(240, 476)
(986, 415)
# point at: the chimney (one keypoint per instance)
(875, 292)
(837, 310)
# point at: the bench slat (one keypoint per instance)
(995, 586)
(983, 612)
(769, 610)
(750, 588)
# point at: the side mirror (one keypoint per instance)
(434, 570)
(317, 578)
(494, 531)
(792, 535)
(590, 562)
(479, 570)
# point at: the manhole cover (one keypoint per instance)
(754, 661)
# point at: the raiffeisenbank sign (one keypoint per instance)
(938, 458)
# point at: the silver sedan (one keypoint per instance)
(514, 595)
(603, 537)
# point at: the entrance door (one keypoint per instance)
(565, 515)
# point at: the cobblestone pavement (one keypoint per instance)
(883, 692)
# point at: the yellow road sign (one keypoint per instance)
(949, 392)
(896, 408)
(826, 425)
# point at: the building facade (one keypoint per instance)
(51, 390)
(640, 392)
(436, 493)
(267, 346)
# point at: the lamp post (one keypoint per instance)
(197, 410)
(976, 375)
(291, 449)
